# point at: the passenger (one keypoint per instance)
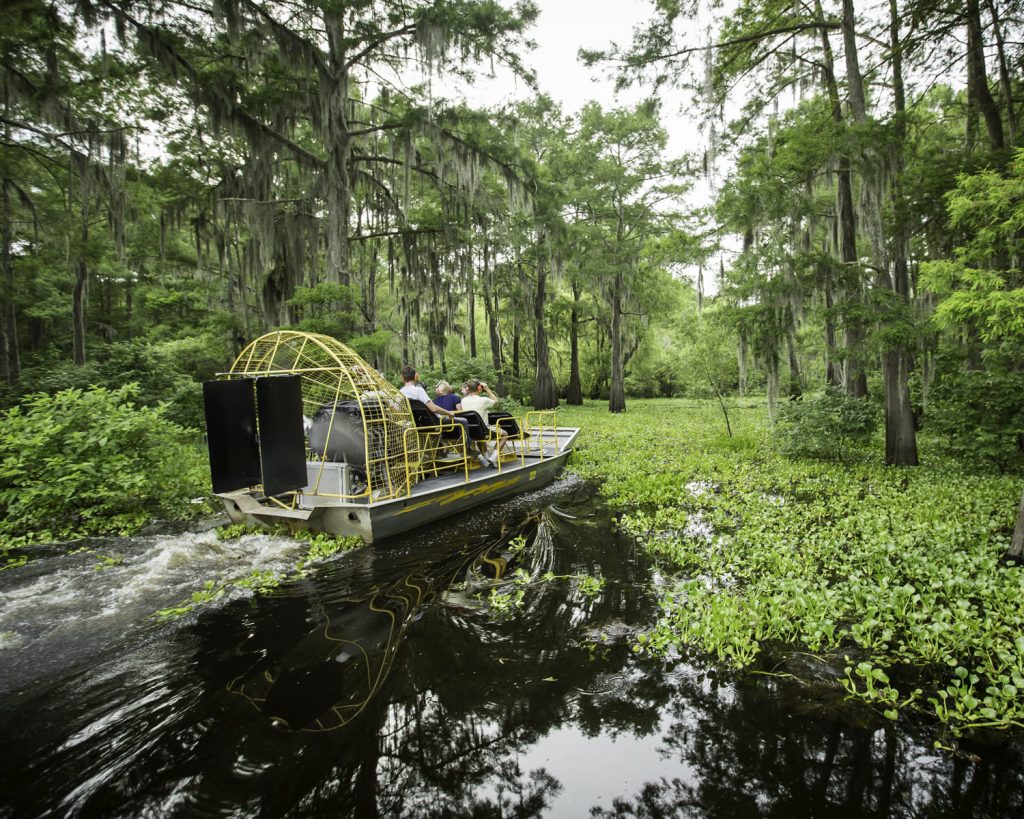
(475, 400)
(412, 389)
(446, 398)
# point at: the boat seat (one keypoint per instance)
(441, 441)
(506, 421)
(425, 419)
(478, 430)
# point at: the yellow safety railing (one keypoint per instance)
(421, 456)
(543, 422)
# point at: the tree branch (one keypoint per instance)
(796, 28)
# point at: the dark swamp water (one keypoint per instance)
(382, 683)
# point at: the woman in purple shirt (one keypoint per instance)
(446, 398)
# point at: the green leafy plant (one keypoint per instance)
(211, 590)
(980, 417)
(824, 425)
(322, 545)
(764, 554)
(233, 531)
(503, 603)
(89, 462)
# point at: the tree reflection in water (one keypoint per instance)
(749, 749)
(452, 729)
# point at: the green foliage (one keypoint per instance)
(88, 462)
(502, 603)
(825, 425)
(322, 545)
(894, 568)
(980, 417)
(590, 586)
(328, 308)
(233, 531)
(165, 373)
(373, 345)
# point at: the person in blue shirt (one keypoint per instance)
(446, 398)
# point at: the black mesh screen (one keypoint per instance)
(231, 434)
(282, 441)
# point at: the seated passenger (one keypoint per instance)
(411, 389)
(446, 398)
(475, 400)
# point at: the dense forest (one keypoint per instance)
(180, 178)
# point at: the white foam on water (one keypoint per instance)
(75, 602)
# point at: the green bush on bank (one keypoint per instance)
(895, 574)
(825, 425)
(980, 417)
(168, 373)
(90, 462)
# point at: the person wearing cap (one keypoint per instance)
(478, 402)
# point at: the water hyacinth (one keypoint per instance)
(902, 571)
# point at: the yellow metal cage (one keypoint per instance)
(332, 377)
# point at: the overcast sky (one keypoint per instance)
(562, 29)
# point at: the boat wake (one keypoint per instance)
(58, 611)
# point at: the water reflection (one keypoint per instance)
(328, 678)
(383, 686)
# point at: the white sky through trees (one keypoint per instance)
(564, 27)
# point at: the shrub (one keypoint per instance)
(824, 425)
(980, 417)
(88, 462)
(165, 373)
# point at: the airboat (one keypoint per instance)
(303, 433)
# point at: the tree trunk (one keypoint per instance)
(900, 435)
(574, 390)
(80, 293)
(741, 359)
(832, 374)
(854, 80)
(515, 351)
(370, 302)
(900, 438)
(795, 386)
(854, 378)
(1017, 541)
(334, 88)
(545, 391)
(978, 92)
(11, 352)
(491, 309)
(772, 368)
(1004, 73)
(406, 329)
(471, 305)
(617, 390)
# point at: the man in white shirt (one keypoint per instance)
(411, 388)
